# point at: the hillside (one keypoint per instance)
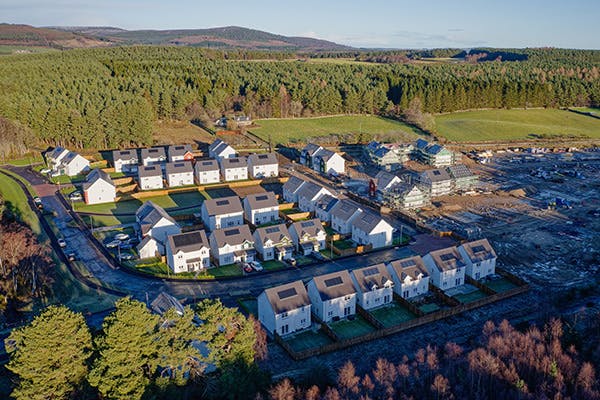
(29, 36)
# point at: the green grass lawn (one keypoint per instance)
(308, 340)
(393, 314)
(588, 110)
(469, 297)
(429, 308)
(26, 160)
(250, 305)
(299, 129)
(494, 125)
(344, 244)
(15, 198)
(347, 329)
(273, 265)
(500, 285)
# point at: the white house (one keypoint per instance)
(385, 181)
(234, 169)
(220, 150)
(342, 214)
(433, 154)
(284, 309)
(332, 296)
(180, 152)
(446, 267)
(153, 156)
(308, 195)
(207, 172)
(369, 228)
(308, 236)
(323, 207)
(480, 258)
(125, 160)
(437, 181)
(55, 156)
(155, 225)
(222, 212)
(374, 286)
(261, 208)
(406, 196)
(329, 162)
(150, 177)
(263, 165)
(188, 252)
(70, 164)
(273, 242)
(99, 188)
(291, 188)
(410, 276)
(462, 178)
(231, 245)
(307, 154)
(180, 173)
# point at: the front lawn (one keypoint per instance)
(273, 265)
(344, 244)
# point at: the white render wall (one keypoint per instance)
(381, 236)
(373, 298)
(129, 164)
(178, 262)
(328, 309)
(335, 165)
(296, 320)
(151, 182)
(77, 166)
(100, 192)
(263, 171)
(180, 179)
(262, 215)
(225, 255)
(480, 269)
(235, 174)
(408, 287)
(207, 177)
(222, 221)
(444, 279)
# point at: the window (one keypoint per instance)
(303, 321)
(405, 294)
(285, 329)
(284, 315)
(330, 313)
(457, 281)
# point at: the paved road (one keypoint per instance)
(141, 287)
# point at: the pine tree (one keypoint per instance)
(49, 355)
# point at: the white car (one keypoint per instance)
(121, 237)
(62, 243)
(256, 265)
(114, 244)
(126, 256)
(76, 196)
(45, 171)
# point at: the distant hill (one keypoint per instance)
(25, 35)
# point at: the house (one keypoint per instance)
(64, 162)
(308, 195)
(332, 296)
(150, 177)
(125, 160)
(231, 245)
(291, 188)
(410, 276)
(406, 196)
(165, 302)
(222, 212)
(446, 267)
(323, 207)
(261, 208)
(180, 152)
(385, 181)
(99, 188)
(243, 120)
(462, 178)
(308, 236)
(480, 258)
(273, 242)
(433, 154)
(207, 172)
(234, 169)
(388, 156)
(374, 286)
(284, 309)
(437, 181)
(329, 162)
(220, 150)
(188, 252)
(153, 156)
(180, 173)
(342, 215)
(370, 229)
(263, 165)
(54, 157)
(154, 226)
(307, 153)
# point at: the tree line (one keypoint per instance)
(107, 98)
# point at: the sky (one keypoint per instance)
(366, 23)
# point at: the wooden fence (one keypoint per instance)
(421, 320)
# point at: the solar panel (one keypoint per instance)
(478, 249)
(234, 160)
(272, 230)
(436, 172)
(263, 156)
(447, 257)
(178, 147)
(407, 263)
(306, 224)
(261, 198)
(185, 239)
(333, 281)
(153, 151)
(222, 202)
(284, 294)
(370, 271)
(179, 165)
(206, 162)
(232, 232)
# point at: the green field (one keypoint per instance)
(299, 129)
(495, 125)
(588, 110)
(17, 200)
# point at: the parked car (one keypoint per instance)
(121, 236)
(38, 202)
(126, 257)
(125, 245)
(247, 268)
(256, 265)
(45, 171)
(71, 256)
(113, 244)
(62, 243)
(292, 262)
(76, 196)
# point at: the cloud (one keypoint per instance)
(410, 39)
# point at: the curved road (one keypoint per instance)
(142, 288)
